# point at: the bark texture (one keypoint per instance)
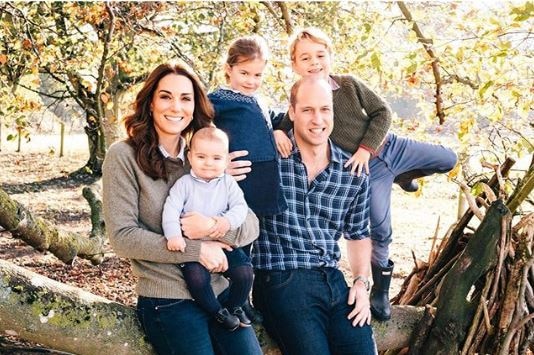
(454, 308)
(38, 233)
(67, 318)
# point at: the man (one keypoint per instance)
(307, 306)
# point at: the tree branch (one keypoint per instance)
(107, 41)
(44, 93)
(465, 81)
(285, 15)
(427, 44)
(38, 233)
(271, 10)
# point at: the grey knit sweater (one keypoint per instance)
(361, 117)
(133, 204)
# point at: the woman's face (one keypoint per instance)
(172, 105)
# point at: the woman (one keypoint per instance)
(137, 176)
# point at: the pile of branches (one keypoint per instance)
(478, 284)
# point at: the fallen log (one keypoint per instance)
(41, 235)
(66, 318)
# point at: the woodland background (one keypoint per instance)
(457, 73)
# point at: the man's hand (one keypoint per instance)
(176, 244)
(283, 143)
(359, 161)
(238, 169)
(359, 297)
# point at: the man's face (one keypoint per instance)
(313, 114)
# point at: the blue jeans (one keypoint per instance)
(399, 155)
(180, 326)
(306, 311)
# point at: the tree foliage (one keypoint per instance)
(462, 66)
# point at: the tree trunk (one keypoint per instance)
(38, 233)
(66, 318)
(97, 150)
(454, 311)
(61, 138)
(111, 123)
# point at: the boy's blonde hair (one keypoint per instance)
(312, 33)
(246, 48)
(210, 134)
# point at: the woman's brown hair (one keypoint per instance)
(139, 125)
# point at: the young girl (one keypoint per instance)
(362, 120)
(241, 114)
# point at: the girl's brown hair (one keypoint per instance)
(142, 135)
(244, 49)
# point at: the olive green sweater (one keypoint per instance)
(361, 117)
(133, 204)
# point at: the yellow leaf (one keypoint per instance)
(104, 97)
(3, 59)
(454, 173)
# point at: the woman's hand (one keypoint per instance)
(197, 226)
(212, 256)
(238, 169)
(359, 161)
(283, 143)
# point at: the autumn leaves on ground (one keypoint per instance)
(39, 180)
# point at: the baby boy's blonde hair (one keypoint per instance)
(210, 134)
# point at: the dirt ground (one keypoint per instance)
(38, 179)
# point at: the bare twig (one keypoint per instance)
(471, 201)
(490, 195)
(476, 319)
(434, 239)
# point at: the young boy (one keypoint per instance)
(209, 191)
(362, 120)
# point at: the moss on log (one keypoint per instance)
(66, 318)
(41, 235)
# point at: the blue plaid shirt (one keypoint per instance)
(305, 235)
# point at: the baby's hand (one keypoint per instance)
(283, 143)
(221, 227)
(176, 244)
(359, 161)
